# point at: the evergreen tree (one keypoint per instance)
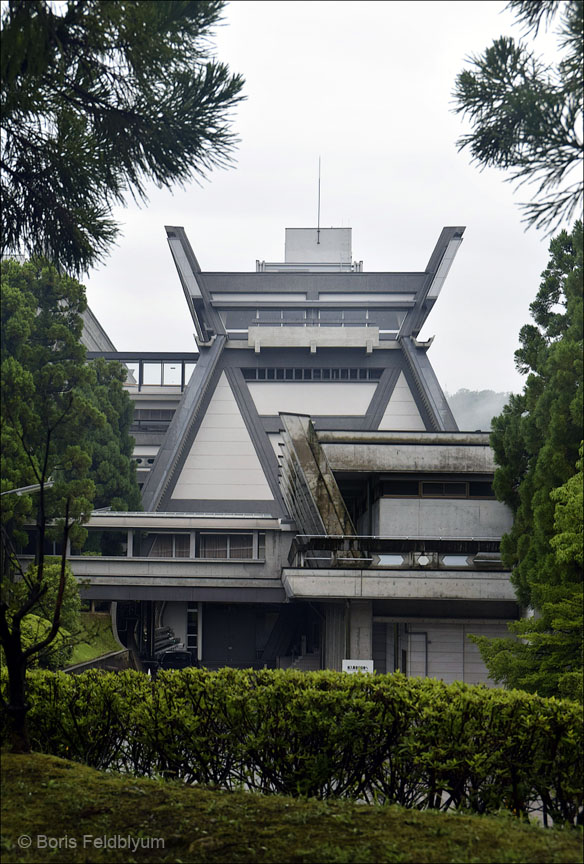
(58, 425)
(97, 99)
(526, 116)
(536, 441)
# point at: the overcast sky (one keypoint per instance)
(367, 86)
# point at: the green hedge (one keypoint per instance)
(415, 742)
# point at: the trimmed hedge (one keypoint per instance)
(387, 738)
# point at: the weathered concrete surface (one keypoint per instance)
(402, 584)
(169, 570)
(183, 521)
(313, 337)
(436, 517)
(451, 458)
(361, 630)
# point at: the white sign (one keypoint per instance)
(353, 666)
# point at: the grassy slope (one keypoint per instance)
(50, 796)
(97, 638)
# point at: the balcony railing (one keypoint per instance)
(428, 553)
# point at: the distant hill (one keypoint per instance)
(474, 409)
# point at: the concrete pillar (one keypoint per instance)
(130, 544)
(361, 630)
(334, 635)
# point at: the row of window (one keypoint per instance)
(246, 546)
(312, 374)
(153, 414)
(435, 489)
(238, 320)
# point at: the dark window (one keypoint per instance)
(294, 315)
(355, 317)
(385, 319)
(192, 628)
(479, 489)
(401, 487)
(444, 490)
(237, 319)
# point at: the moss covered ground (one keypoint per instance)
(95, 639)
(72, 813)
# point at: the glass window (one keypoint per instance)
(171, 546)
(152, 373)
(241, 546)
(226, 546)
(189, 369)
(444, 490)
(401, 487)
(132, 374)
(355, 317)
(294, 315)
(386, 319)
(479, 489)
(182, 545)
(171, 374)
(213, 546)
(330, 317)
(162, 546)
(237, 319)
(193, 628)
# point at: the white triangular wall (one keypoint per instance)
(222, 464)
(401, 414)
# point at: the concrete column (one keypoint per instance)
(130, 544)
(361, 630)
(334, 635)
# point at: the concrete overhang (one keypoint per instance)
(167, 571)
(185, 521)
(322, 584)
(273, 593)
(387, 456)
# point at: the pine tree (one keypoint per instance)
(526, 116)
(98, 99)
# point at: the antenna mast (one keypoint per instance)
(318, 221)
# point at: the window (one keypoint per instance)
(226, 546)
(402, 487)
(444, 490)
(171, 546)
(311, 374)
(237, 320)
(478, 489)
(193, 628)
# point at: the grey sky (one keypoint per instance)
(367, 86)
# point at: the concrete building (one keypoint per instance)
(307, 495)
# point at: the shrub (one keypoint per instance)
(415, 742)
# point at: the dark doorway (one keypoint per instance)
(229, 635)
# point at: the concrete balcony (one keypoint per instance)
(220, 581)
(301, 336)
(370, 584)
